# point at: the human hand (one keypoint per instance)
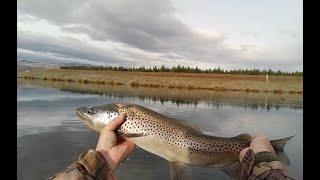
(114, 149)
(259, 143)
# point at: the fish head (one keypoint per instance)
(96, 118)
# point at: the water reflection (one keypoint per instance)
(180, 96)
(34, 149)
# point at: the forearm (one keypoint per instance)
(91, 165)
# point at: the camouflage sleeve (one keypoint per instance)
(262, 165)
(90, 166)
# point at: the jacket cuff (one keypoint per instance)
(95, 164)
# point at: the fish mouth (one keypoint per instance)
(83, 117)
(81, 112)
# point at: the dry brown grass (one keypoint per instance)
(29, 77)
(100, 82)
(220, 89)
(112, 82)
(217, 82)
(153, 85)
(252, 90)
(171, 86)
(136, 84)
(85, 81)
(295, 92)
(71, 80)
(190, 86)
(277, 91)
(133, 84)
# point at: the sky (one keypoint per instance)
(229, 34)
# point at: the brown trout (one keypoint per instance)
(169, 138)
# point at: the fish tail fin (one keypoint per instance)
(279, 144)
(282, 156)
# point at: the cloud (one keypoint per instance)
(143, 24)
(129, 31)
(67, 46)
(50, 57)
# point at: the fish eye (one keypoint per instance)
(90, 111)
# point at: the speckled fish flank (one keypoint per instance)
(166, 137)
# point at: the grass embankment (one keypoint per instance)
(216, 82)
(85, 81)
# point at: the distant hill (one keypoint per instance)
(23, 65)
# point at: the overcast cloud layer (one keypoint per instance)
(148, 33)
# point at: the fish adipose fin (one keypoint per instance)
(279, 144)
(180, 171)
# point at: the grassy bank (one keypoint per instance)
(216, 82)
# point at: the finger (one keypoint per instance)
(246, 164)
(122, 151)
(242, 153)
(116, 122)
(260, 144)
(107, 140)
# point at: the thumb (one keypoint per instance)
(116, 122)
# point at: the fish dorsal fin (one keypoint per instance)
(244, 137)
(180, 171)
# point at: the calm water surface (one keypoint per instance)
(50, 136)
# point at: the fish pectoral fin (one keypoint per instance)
(180, 171)
(131, 135)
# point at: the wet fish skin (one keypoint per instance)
(167, 137)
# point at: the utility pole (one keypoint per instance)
(267, 80)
